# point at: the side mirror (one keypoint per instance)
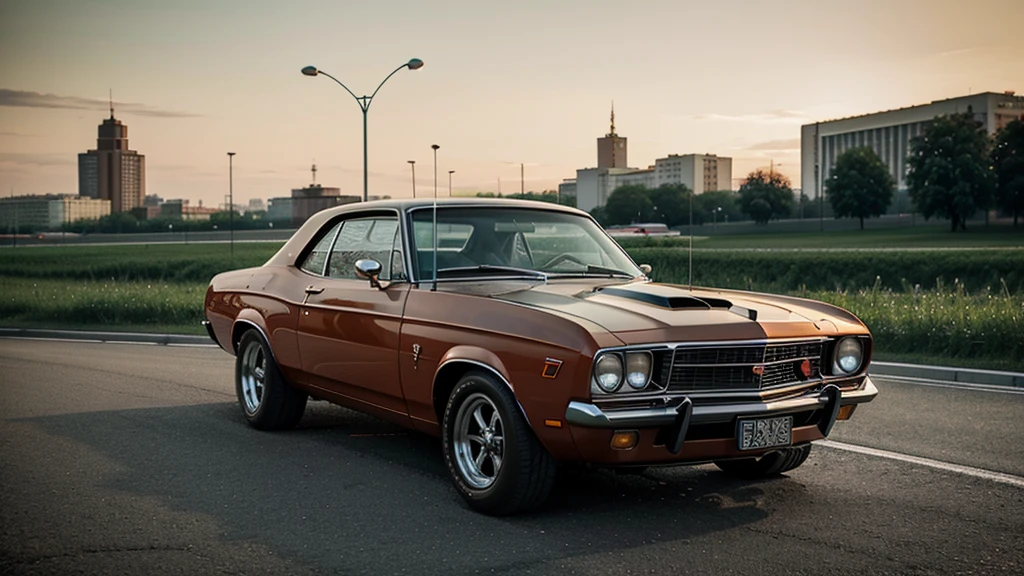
(646, 269)
(369, 269)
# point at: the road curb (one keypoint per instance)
(948, 374)
(133, 337)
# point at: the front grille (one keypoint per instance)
(737, 367)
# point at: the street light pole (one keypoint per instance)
(413, 164)
(364, 105)
(450, 172)
(231, 199)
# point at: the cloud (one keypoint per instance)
(774, 145)
(25, 159)
(18, 134)
(27, 99)
(774, 117)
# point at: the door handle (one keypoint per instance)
(313, 289)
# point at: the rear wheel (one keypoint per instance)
(267, 400)
(771, 464)
(493, 458)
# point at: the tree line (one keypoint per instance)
(954, 170)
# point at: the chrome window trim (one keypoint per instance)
(356, 215)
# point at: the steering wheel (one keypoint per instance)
(561, 258)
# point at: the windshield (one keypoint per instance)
(482, 241)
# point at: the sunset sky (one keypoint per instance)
(503, 84)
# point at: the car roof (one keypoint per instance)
(288, 253)
(405, 204)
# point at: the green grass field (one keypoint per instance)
(919, 237)
(962, 306)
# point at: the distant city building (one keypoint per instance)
(592, 186)
(50, 211)
(309, 200)
(112, 171)
(280, 209)
(152, 200)
(611, 150)
(567, 188)
(180, 209)
(889, 133)
(256, 205)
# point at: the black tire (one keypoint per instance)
(771, 464)
(526, 473)
(277, 405)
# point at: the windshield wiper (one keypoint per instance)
(598, 271)
(492, 269)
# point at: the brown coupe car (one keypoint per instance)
(524, 336)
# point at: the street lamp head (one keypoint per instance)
(451, 171)
(231, 153)
(434, 146)
(312, 71)
(411, 161)
(414, 64)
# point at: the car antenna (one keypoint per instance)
(434, 287)
(691, 242)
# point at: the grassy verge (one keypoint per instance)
(100, 303)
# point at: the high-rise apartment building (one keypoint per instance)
(112, 171)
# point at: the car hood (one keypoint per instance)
(640, 312)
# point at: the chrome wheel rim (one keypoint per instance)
(253, 376)
(479, 441)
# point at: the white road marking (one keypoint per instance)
(937, 464)
(947, 384)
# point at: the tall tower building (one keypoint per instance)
(611, 150)
(112, 171)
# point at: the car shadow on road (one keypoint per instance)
(345, 490)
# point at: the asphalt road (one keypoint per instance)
(131, 459)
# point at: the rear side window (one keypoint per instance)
(317, 258)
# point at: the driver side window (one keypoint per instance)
(376, 238)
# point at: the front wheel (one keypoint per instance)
(771, 464)
(267, 400)
(493, 457)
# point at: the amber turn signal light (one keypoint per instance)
(846, 411)
(625, 440)
(553, 423)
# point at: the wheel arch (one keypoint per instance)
(243, 325)
(453, 367)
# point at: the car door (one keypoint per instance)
(348, 330)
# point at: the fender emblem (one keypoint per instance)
(416, 355)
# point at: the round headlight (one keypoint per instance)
(608, 372)
(638, 369)
(849, 355)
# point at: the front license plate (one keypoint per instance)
(765, 433)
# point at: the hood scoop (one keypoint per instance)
(677, 302)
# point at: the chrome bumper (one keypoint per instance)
(592, 416)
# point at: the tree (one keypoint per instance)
(1008, 166)
(672, 202)
(601, 215)
(707, 204)
(628, 204)
(860, 185)
(774, 192)
(948, 169)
